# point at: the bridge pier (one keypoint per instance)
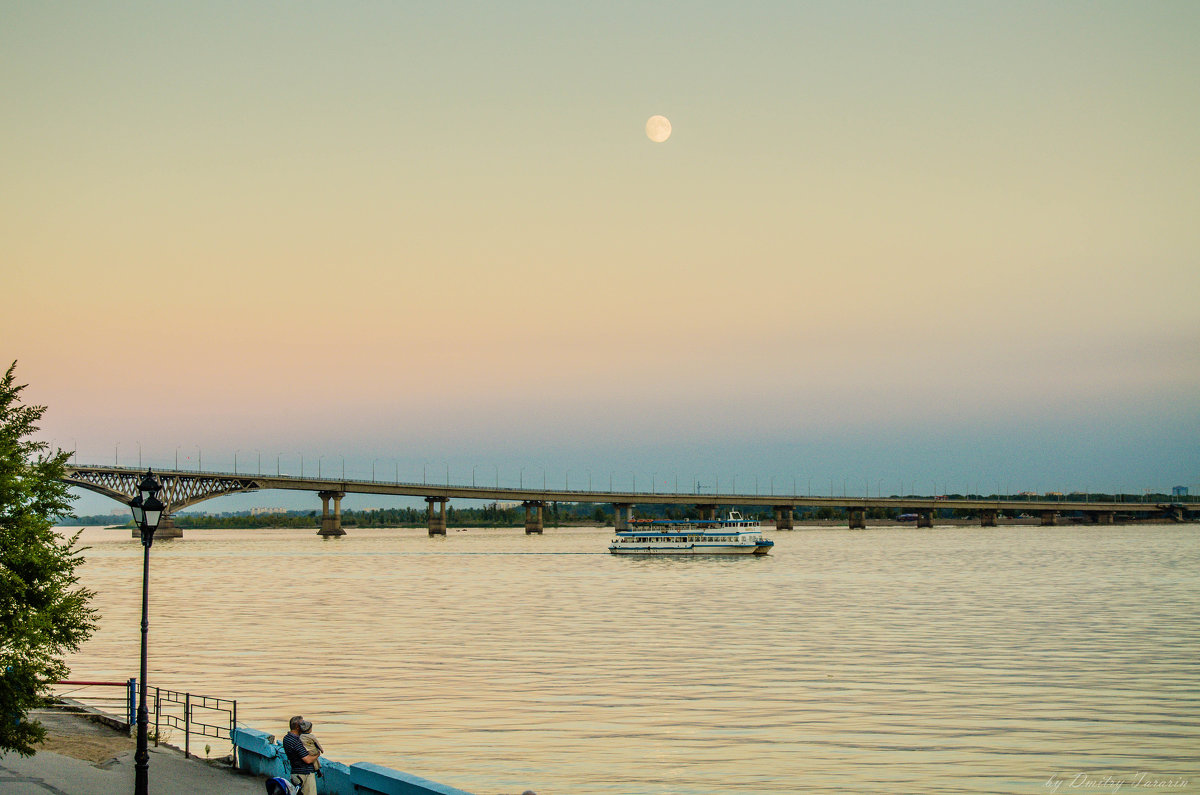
(987, 517)
(925, 517)
(331, 525)
(436, 521)
(533, 516)
(708, 513)
(622, 513)
(858, 518)
(166, 529)
(1101, 517)
(1049, 518)
(784, 519)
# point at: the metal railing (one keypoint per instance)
(116, 699)
(205, 716)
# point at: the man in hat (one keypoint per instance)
(304, 771)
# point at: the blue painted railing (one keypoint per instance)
(260, 754)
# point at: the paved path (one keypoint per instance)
(54, 773)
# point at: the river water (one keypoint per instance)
(944, 660)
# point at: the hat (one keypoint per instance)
(305, 726)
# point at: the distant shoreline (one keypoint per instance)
(198, 524)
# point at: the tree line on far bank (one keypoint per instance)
(493, 515)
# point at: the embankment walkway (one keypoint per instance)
(85, 758)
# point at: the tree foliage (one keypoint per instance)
(44, 612)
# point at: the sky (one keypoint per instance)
(935, 243)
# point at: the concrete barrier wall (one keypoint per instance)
(260, 755)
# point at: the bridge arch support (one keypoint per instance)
(179, 489)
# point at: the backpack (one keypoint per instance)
(281, 786)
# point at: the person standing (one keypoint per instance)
(304, 771)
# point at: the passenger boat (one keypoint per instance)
(732, 535)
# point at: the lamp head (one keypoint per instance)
(149, 485)
(139, 514)
(152, 509)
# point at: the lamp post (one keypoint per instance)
(147, 511)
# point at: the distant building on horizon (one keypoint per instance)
(1179, 491)
(262, 511)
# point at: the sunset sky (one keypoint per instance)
(942, 243)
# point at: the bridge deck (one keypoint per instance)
(184, 488)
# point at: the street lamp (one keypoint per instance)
(147, 511)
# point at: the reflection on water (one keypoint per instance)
(891, 660)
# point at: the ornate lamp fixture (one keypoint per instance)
(147, 512)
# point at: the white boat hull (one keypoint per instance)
(681, 549)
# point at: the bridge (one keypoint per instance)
(182, 489)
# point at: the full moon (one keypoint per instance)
(658, 129)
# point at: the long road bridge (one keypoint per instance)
(182, 489)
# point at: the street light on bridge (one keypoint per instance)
(147, 511)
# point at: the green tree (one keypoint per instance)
(44, 613)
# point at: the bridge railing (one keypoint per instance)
(701, 496)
